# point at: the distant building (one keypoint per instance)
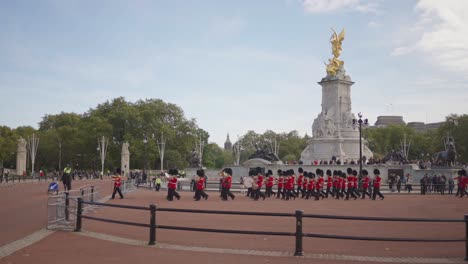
(227, 144)
(383, 121)
(421, 127)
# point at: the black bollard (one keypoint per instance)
(79, 213)
(67, 203)
(152, 239)
(299, 251)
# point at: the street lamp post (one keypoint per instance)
(161, 149)
(33, 143)
(360, 123)
(102, 148)
(145, 142)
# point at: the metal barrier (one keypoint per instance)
(299, 215)
(62, 208)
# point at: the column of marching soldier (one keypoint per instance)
(308, 185)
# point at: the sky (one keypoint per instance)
(234, 66)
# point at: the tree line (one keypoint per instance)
(71, 138)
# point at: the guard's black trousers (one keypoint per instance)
(377, 192)
(117, 189)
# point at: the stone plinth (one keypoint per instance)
(21, 156)
(125, 160)
(333, 132)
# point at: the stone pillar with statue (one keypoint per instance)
(125, 160)
(333, 132)
(21, 155)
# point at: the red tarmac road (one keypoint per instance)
(84, 249)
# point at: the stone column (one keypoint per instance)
(21, 157)
(125, 159)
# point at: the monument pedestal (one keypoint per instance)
(333, 132)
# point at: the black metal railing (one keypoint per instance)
(298, 215)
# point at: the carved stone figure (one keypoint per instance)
(348, 119)
(195, 159)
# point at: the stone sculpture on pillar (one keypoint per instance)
(21, 156)
(125, 160)
(333, 133)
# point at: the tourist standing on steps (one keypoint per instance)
(117, 179)
(377, 181)
(172, 185)
(200, 185)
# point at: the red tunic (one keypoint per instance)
(336, 182)
(201, 184)
(329, 182)
(350, 181)
(377, 181)
(365, 182)
(117, 182)
(227, 183)
(319, 183)
(311, 185)
(260, 181)
(343, 183)
(355, 181)
(300, 179)
(280, 182)
(172, 183)
(270, 181)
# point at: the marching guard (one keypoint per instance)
(172, 185)
(377, 181)
(200, 185)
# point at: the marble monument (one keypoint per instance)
(333, 131)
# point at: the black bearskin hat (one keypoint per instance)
(201, 173)
(376, 172)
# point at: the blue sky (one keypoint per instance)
(233, 65)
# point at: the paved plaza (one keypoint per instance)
(106, 242)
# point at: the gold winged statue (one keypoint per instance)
(335, 64)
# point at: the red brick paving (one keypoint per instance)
(74, 248)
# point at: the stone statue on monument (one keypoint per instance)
(22, 145)
(333, 132)
(195, 159)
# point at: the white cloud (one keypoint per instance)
(327, 6)
(442, 34)
(373, 24)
